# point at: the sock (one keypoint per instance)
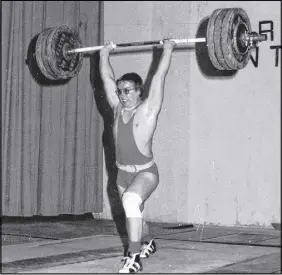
(146, 235)
(147, 238)
(134, 247)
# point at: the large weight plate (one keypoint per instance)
(46, 55)
(40, 54)
(236, 53)
(65, 65)
(210, 39)
(51, 53)
(217, 36)
(225, 32)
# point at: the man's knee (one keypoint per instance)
(131, 203)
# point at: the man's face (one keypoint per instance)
(128, 94)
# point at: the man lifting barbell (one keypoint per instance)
(135, 122)
(59, 55)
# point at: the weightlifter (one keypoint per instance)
(135, 121)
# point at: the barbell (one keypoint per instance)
(229, 39)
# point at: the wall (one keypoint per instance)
(217, 144)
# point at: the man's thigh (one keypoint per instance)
(144, 184)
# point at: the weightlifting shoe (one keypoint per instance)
(147, 249)
(132, 263)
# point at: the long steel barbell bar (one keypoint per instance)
(140, 43)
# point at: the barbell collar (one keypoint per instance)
(137, 44)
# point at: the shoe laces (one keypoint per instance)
(147, 247)
(124, 258)
(129, 261)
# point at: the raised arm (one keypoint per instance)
(108, 76)
(156, 93)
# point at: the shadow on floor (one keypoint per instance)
(17, 230)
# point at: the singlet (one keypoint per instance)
(127, 151)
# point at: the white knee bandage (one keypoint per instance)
(131, 204)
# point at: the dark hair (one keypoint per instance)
(135, 78)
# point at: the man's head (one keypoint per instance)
(130, 89)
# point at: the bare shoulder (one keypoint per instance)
(149, 108)
(145, 111)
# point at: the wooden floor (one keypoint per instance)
(85, 245)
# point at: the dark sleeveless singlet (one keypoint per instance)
(127, 152)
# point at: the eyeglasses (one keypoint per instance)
(124, 91)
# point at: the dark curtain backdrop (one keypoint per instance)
(51, 134)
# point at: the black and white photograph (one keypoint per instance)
(141, 137)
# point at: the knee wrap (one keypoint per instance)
(131, 204)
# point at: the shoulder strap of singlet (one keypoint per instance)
(134, 111)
